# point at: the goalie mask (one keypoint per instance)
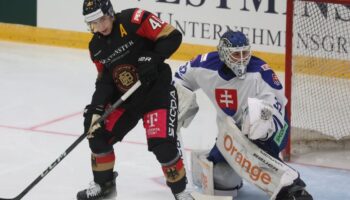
(95, 12)
(234, 51)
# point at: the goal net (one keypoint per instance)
(318, 74)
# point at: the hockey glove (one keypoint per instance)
(91, 114)
(257, 120)
(188, 106)
(148, 67)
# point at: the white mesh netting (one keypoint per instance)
(321, 76)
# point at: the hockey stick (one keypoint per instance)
(201, 196)
(72, 146)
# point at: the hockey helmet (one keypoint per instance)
(234, 50)
(95, 9)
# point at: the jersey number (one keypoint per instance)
(278, 106)
(155, 22)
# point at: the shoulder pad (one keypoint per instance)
(255, 64)
(131, 15)
(209, 61)
(268, 75)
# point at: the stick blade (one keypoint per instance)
(199, 196)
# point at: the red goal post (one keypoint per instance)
(317, 76)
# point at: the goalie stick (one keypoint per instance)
(200, 196)
(72, 146)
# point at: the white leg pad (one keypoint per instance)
(202, 171)
(203, 177)
(252, 163)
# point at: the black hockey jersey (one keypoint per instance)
(135, 32)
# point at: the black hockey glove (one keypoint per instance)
(148, 67)
(91, 114)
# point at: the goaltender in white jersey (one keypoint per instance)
(244, 88)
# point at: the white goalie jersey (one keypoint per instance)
(228, 93)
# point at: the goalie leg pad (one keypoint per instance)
(251, 162)
(202, 171)
(218, 179)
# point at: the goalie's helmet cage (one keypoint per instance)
(95, 9)
(234, 51)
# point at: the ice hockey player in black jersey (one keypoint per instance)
(128, 46)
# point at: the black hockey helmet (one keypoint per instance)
(94, 9)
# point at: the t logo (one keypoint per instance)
(155, 123)
(227, 100)
(151, 119)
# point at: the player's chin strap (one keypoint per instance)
(252, 163)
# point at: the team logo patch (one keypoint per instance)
(183, 69)
(89, 5)
(125, 77)
(155, 123)
(275, 80)
(227, 100)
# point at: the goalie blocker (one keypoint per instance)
(188, 106)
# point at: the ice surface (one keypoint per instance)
(43, 92)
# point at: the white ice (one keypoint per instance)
(43, 92)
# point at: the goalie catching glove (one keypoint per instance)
(91, 114)
(257, 120)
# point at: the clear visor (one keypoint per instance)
(98, 20)
(99, 23)
(93, 16)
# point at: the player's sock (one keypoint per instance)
(97, 191)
